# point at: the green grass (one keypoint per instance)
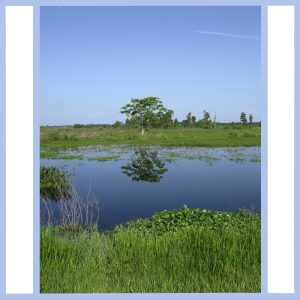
(105, 158)
(49, 154)
(55, 155)
(54, 183)
(189, 250)
(55, 138)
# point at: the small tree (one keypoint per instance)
(143, 111)
(206, 121)
(243, 118)
(250, 119)
(190, 120)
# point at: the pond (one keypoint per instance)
(130, 183)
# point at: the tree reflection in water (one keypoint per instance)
(145, 165)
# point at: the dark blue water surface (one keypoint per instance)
(224, 179)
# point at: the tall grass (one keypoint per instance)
(190, 258)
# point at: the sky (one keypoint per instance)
(93, 60)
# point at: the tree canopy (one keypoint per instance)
(144, 111)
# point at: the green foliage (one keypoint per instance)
(78, 126)
(117, 124)
(172, 220)
(243, 118)
(251, 119)
(144, 111)
(54, 183)
(201, 251)
(206, 121)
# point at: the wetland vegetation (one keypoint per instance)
(163, 225)
(186, 250)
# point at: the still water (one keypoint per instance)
(137, 182)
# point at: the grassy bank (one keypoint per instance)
(189, 250)
(57, 138)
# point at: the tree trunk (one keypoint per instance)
(143, 131)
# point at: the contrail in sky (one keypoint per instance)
(238, 36)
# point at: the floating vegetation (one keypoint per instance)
(237, 159)
(172, 220)
(257, 160)
(71, 157)
(105, 158)
(170, 154)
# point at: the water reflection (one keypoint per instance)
(145, 165)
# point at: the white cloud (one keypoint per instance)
(231, 35)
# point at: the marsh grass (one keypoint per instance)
(187, 256)
(70, 157)
(53, 138)
(255, 160)
(105, 158)
(48, 154)
(54, 183)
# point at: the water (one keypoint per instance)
(147, 180)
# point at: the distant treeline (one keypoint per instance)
(165, 120)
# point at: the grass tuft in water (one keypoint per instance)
(54, 183)
(105, 158)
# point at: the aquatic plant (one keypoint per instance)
(54, 183)
(105, 158)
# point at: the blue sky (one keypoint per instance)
(95, 59)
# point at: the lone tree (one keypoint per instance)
(250, 119)
(243, 118)
(144, 111)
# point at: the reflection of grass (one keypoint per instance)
(105, 158)
(189, 250)
(237, 159)
(207, 158)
